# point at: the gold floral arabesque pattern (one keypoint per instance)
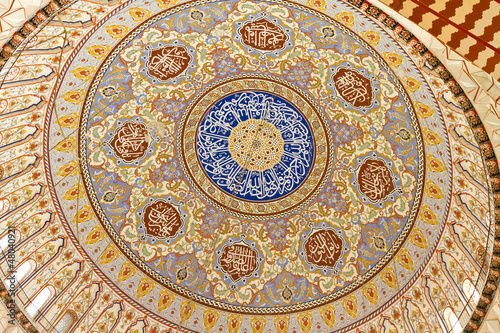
(256, 145)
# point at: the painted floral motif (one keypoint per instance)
(204, 123)
(256, 145)
(252, 137)
(299, 74)
(77, 207)
(287, 274)
(224, 64)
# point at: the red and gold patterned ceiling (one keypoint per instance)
(468, 27)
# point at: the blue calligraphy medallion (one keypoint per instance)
(255, 146)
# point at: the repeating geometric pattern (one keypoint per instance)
(469, 27)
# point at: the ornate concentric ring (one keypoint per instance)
(292, 169)
(171, 162)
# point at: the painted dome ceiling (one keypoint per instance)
(242, 166)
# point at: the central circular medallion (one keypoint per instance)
(256, 153)
(250, 136)
(256, 145)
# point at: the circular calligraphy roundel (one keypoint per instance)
(255, 145)
(257, 154)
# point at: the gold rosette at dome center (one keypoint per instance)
(256, 145)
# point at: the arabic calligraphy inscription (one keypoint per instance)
(238, 261)
(168, 62)
(263, 35)
(161, 220)
(255, 145)
(130, 141)
(323, 248)
(375, 179)
(353, 87)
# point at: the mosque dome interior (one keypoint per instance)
(249, 166)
